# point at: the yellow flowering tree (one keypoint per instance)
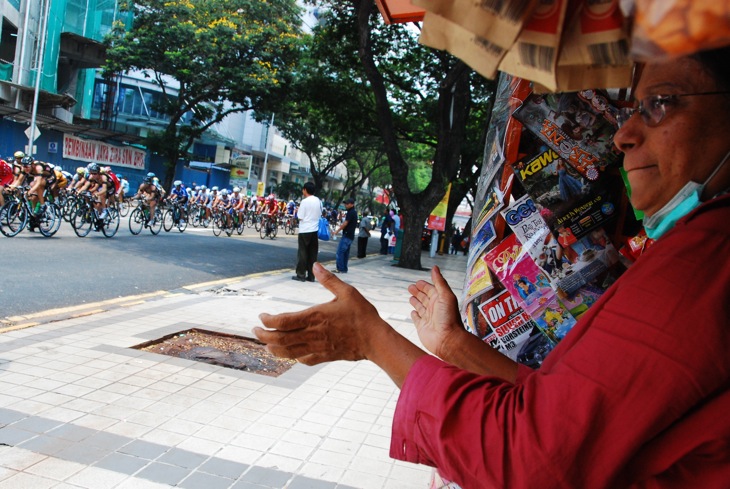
(226, 56)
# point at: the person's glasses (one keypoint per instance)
(653, 109)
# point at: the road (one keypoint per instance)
(45, 273)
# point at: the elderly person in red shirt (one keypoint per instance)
(638, 393)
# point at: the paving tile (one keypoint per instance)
(300, 482)
(36, 424)
(182, 458)
(46, 445)
(144, 449)
(22, 480)
(223, 468)
(266, 476)
(107, 441)
(163, 473)
(8, 416)
(119, 462)
(96, 478)
(11, 436)
(54, 468)
(83, 454)
(200, 480)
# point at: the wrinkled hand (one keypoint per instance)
(342, 329)
(435, 313)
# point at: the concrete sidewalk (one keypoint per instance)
(81, 409)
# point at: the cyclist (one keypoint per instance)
(271, 209)
(6, 178)
(31, 174)
(152, 193)
(156, 182)
(211, 200)
(60, 181)
(123, 188)
(101, 185)
(238, 203)
(223, 204)
(180, 194)
(79, 178)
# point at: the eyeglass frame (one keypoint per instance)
(626, 113)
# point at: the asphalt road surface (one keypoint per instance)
(65, 270)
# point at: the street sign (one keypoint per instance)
(37, 133)
(53, 147)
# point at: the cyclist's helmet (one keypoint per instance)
(119, 176)
(198, 188)
(81, 170)
(236, 190)
(147, 180)
(151, 175)
(203, 187)
(19, 155)
(27, 160)
(155, 179)
(177, 183)
(214, 189)
(93, 168)
(224, 192)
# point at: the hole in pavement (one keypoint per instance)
(225, 350)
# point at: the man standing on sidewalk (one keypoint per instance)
(347, 227)
(363, 233)
(310, 210)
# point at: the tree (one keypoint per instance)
(326, 114)
(226, 56)
(419, 97)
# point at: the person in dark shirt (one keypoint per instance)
(348, 227)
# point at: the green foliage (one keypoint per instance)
(288, 190)
(225, 55)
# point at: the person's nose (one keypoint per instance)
(630, 134)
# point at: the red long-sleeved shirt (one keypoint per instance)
(637, 394)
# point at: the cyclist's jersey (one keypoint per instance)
(181, 193)
(151, 189)
(271, 207)
(61, 180)
(235, 200)
(6, 173)
(125, 185)
(115, 181)
(290, 208)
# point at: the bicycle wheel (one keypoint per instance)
(167, 220)
(123, 207)
(111, 223)
(239, 227)
(272, 231)
(15, 217)
(157, 226)
(229, 226)
(136, 221)
(257, 223)
(49, 221)
(83, 220)
(262, 231)
(217, 225)
(182, 223)
(249, 219)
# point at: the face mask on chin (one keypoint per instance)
(684, 202)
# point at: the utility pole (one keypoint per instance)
(266, 153)
(43, 21)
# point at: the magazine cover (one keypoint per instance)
(566, 198)
(578, 126)
(513, 329)
(519, 275)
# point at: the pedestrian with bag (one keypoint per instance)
(310, 210)
(347, 227)
(386, 231)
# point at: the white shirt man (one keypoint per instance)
(310, 210)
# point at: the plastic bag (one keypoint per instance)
(323, 232)
(664, 28)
